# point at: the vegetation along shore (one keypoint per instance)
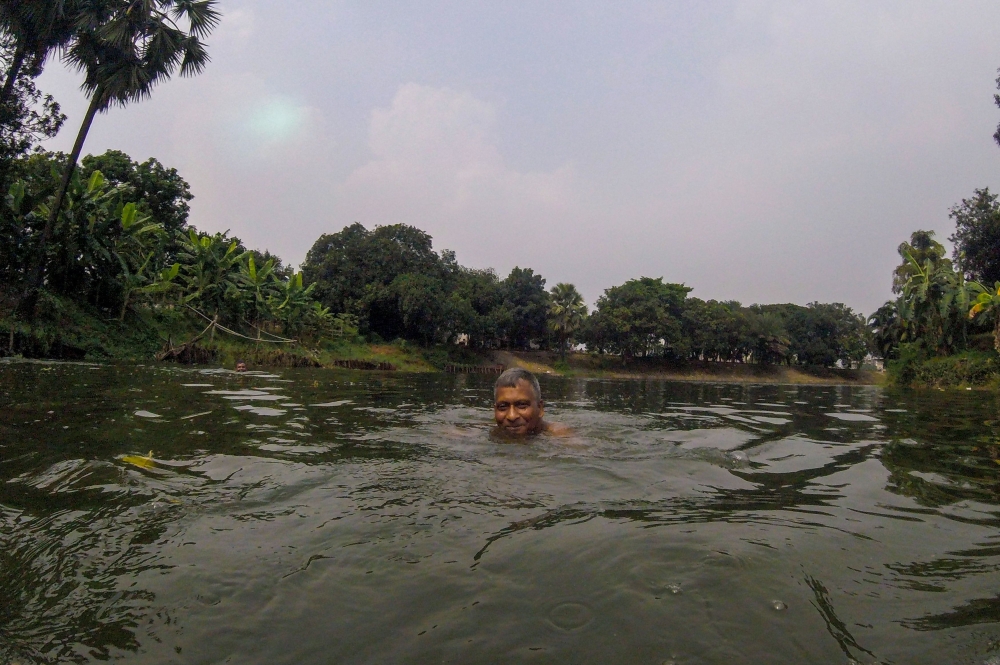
(98, 261)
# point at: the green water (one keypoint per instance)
(313, 516)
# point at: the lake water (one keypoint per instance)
(173, 515)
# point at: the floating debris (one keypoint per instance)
(146, 462)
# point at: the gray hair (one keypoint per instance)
(511, 377)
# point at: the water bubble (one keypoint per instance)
(570, 616)
(738, 458)
(778, 605)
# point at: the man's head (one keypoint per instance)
(241, 366)
(518, 406)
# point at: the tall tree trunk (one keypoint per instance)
(30, 298)
(12, 73)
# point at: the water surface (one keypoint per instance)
(161, 514)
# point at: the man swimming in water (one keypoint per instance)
(518, 406)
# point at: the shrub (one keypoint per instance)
(971, 368)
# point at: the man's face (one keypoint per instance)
(517, 410)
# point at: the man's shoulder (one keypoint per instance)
(556, 429)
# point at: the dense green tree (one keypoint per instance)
(567, 312)
(977, 237)
(421, 303)
(294, 307)
(160, 192)
(348, 265)
(824, 334)
(526, 306)
(398, 286)
(764, 336)
(26, 115)
(640, 318)
(713, 329)
(476, 305)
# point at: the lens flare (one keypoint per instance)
(276, 120)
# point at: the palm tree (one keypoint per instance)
(933, 303)
(988, 300)
(124, 49)
(566, 313)
(885, 328)
(37, 27)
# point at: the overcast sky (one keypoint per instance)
(756, 151)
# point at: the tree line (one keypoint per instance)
(397, 286)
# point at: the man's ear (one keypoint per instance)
(541, 406)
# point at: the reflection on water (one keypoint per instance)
(160, 514)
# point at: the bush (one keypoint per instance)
(971, 368)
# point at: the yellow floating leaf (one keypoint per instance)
(140, 461)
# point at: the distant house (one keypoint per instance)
(462, 339)
(875, 361)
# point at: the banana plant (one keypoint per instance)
(292, 304)
(259, 283)
(988, 300)
(210, 269)
(133, 252)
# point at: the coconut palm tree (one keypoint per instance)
(988, 300)
(566, 313)
(124, 48)
(933, 303)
